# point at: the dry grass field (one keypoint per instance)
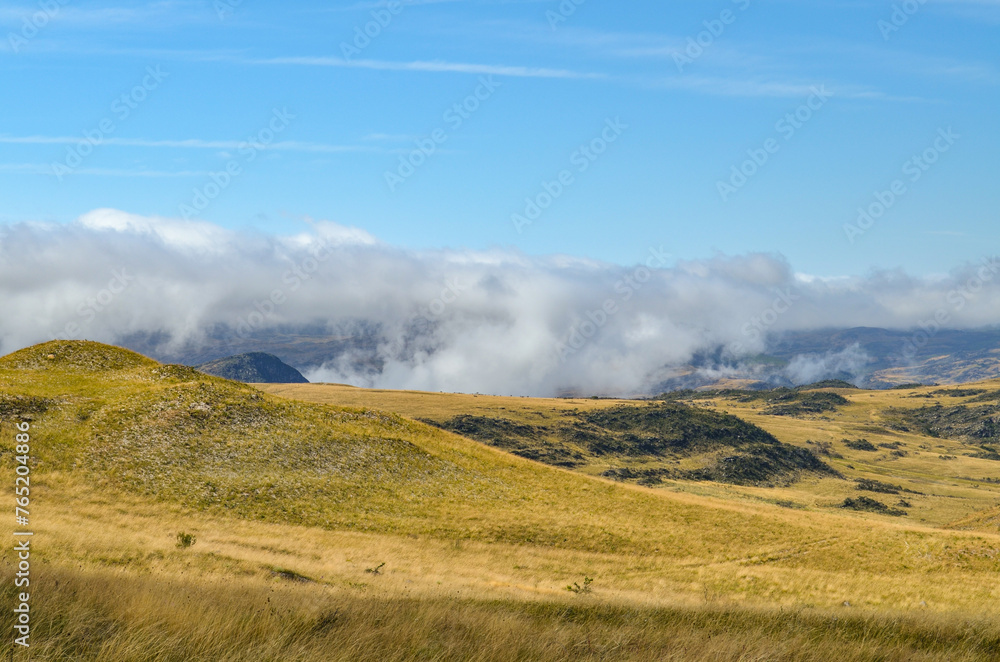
(940, 479)
(330, 524)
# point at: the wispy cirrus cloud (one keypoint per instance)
(428, 66)
(418, 66)
(366, 5)
(112, 16)
(190, 143)
(773, 88)
(186, 144)
(977, 10)
(47, 169)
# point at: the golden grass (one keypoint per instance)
(943, 491)
(438, 406)
(111, 616)
(115, 587)
(477, 570)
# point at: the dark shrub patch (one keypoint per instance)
(829, 383)
(20, 406)
(860, 445)
(658, 431)
(959, 392)
(869, 485)
(987, 453)
(957, 422)
(807, 403)
(872, 506)
(670, 428)
(527, 441)
(762, 465)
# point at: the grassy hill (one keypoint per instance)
(650, 442)
(854, 432)
(352, 531)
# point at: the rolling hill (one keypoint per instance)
(184, 516)
(943, 479)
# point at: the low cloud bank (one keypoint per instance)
(475, 321)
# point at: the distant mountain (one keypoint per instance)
(866, 357)
(355, 348)
(254, 368)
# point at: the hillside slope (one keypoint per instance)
(183, 516)
(649, 442)
(174, 434)
(866, 437)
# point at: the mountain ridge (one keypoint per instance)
(866, 356)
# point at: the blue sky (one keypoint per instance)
(202, 80)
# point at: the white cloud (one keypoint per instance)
(190, 143)
(175, 234)
(432, 66)
(488, 321)
(147, 14)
